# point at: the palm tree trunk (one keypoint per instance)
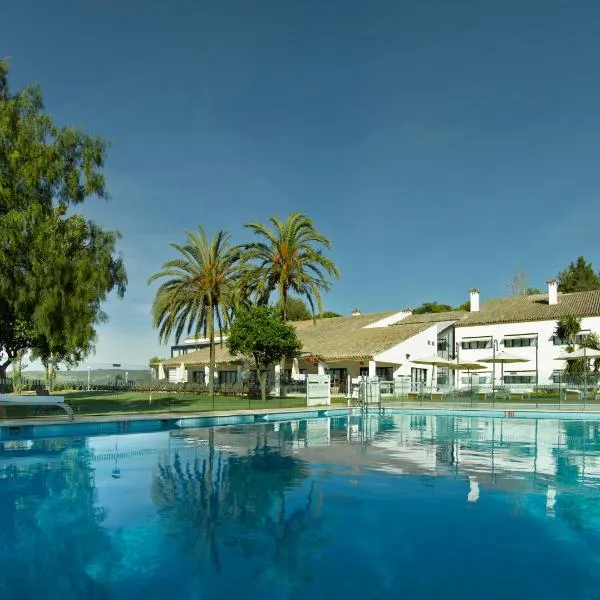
(212, 359)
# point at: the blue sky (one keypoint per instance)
(440, 145)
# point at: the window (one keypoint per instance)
(476, 344)
(442, 345)
(578, 339)
(337, 375)
(227, 377)
(198, 376)
(384, 373)
(524, 377)
(476, 379)
(418, 375)
(520, 342)
(364, 371)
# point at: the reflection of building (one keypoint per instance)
(385, 344)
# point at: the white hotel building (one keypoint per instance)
(385, 344)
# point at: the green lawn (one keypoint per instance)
(123, 403)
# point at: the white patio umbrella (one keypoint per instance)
(582, 353)
(435, 361)
(465, 365)
(468, 366)
(577, 354)
(503, 358)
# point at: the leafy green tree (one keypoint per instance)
(288, 258)
(55, 271)
(199, 290)
(17, 373)
(567, 329)
(262, 334)
(329, 314)
(592, 342)
(432, 307)
(296, 310)
(579, 276)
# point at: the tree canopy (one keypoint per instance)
(288, 258)
(296, 310)
(435, 307)
(199, 290)
(431, 307)
(56, 267)
(579, 276)
(262, 334)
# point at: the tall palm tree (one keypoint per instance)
(288, 258)
(199, 291)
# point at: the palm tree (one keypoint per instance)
(567, 328)
(289, 258)
(199, 290)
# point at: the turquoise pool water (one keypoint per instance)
(397, 506)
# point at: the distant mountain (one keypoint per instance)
(97, 376)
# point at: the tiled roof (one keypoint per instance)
(336, 338)
(355, 344)
(534, 308)
(200, 358)
(449, 315)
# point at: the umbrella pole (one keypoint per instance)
(585, 374)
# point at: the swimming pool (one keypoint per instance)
(380, 506)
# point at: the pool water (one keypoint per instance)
(394, 506)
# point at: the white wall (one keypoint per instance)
(546, 350)
(418, 346)
(391, 320)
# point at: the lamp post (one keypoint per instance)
(89, 369)
(456, 359)
(494, 350)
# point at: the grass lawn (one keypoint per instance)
(123, 403)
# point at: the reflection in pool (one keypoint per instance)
(397, 506)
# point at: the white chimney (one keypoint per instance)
(552, 291)
(474, 298)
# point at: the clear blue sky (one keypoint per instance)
(441, 145)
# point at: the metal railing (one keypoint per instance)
(566, 390)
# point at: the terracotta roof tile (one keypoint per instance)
(534, 308)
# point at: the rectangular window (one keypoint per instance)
(520, 342)
(523, 377)
(476, 380)
(479, 344)
(227, 377)
(336, 376)
(384, 373)
(578, 339)
(418, 375)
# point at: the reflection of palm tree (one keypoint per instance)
(293, 554)
(189, 503)
(238, 501)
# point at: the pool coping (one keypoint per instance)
(505, 410)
